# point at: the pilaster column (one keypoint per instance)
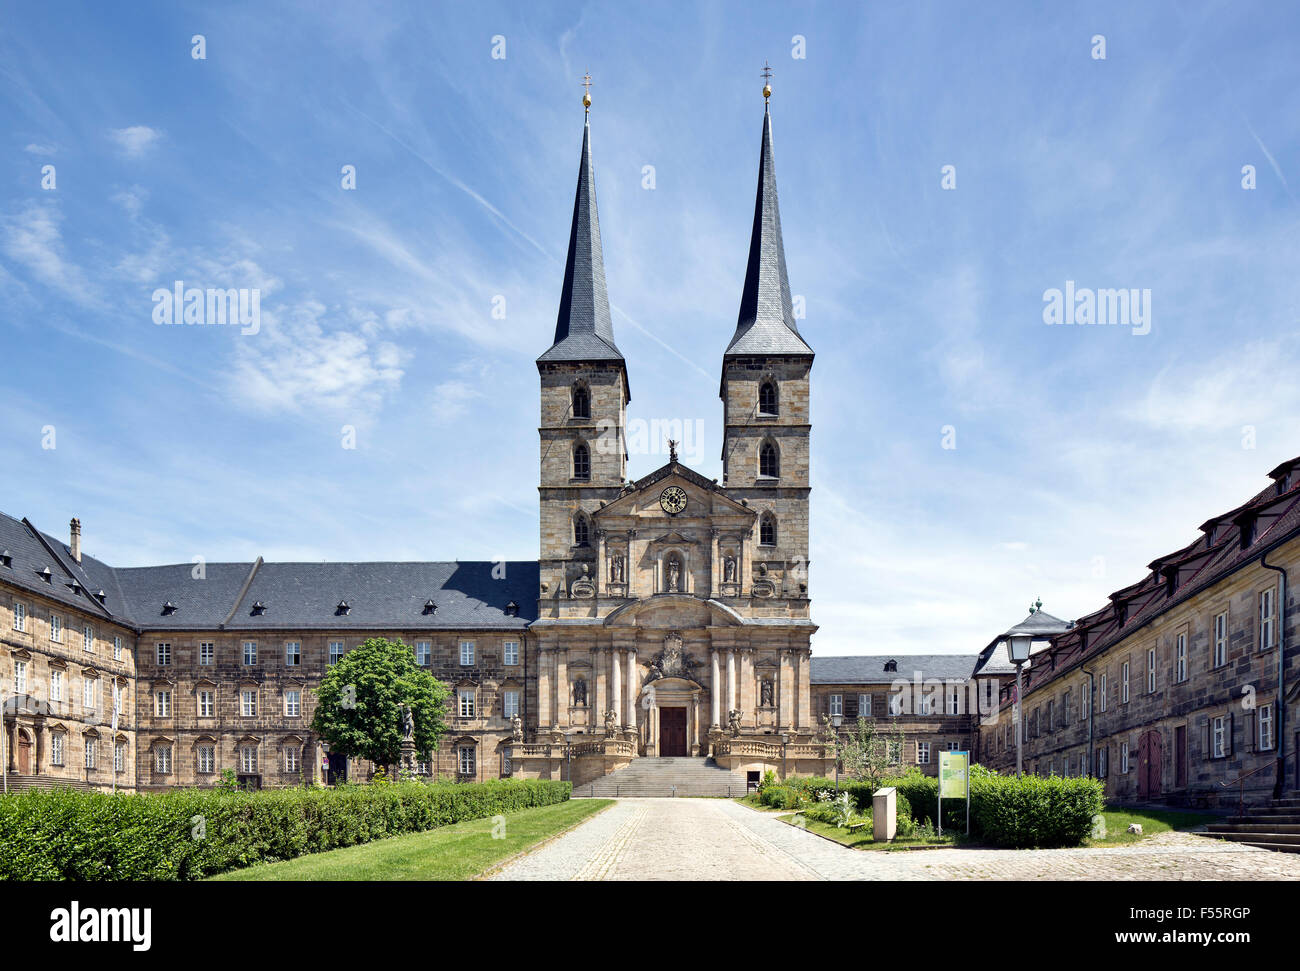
(746, 699)
(562, 688)
(731, 680)
(715, 690)
(715, 570)
(543, 687)
(599, 691)
(602, 566)
(785, 691)
(630, 573)
(631, 687)
(616, 684)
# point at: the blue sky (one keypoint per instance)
(1081, 453)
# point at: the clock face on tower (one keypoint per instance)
(672, 500)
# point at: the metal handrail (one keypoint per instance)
(1240, 781)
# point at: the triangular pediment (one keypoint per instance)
(705, 496)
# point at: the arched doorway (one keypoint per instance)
(24, 752)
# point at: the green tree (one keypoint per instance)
(359, 703)
(867, 753)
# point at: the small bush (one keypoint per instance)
(1034, 811)
(187, 834)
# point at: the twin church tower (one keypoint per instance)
(674, 591)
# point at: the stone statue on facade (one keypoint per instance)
(766, 694)
(733, 722)
(611, 721)
(674, 575)
(580, 693)
(517, 728)
(673, 661)
(729, 570)
(616, 570)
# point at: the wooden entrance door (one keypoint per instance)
(672, 731)
(24, 753)
(1150, 754)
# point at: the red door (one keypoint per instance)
(1180, 757)
(1150, 753)
(24, 753)
(672, 731)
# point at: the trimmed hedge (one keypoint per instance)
(1028, 812)
(188, 834)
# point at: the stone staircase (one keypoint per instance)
(1272, 827)
(17, 783)
(665, 778)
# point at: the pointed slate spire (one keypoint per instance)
(766, 323)
(583, 329)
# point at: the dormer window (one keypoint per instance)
(168, 609)
(343, 609)
(512, 609)
(768, 403)
(581, 402)
(891, 666)
(6, 558)
(258, 610)
(45, 574)
(430, 606)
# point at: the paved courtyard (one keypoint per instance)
(716, 839)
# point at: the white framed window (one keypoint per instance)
(1050, 718)
(56, 748)
(207, 651)
(90, 753)
(20, 616)
(1151, 670)
(292, 653)
(247, 759)
(336, 652)
(290, 759)
(248, 702)
(1265, 727)
(207, 759)
(1267, 617)
(88, 693)
(1101, 692)
(292, 703)
(162, 759)
(837, 704)
(56, 627)
(1085, 700)
(119, 757)
(922, 753)
(162, 703)
(510, 654)
(1123, 683)
(507, 762)
(896, 703)
(88, 639)
(207, 703)
(466, 702)
(466, 760)
(895, 750)
(510, 704)
(1103, 761)
(467, 653)
(56, 685)
(117, 648)
(164, 654)
(1221, 639)
(1218, 737)
(954, 701)
(423, 653)
(250, 653)
(1123, 756)
(1180, 658)
(929, 703)
(864, 706)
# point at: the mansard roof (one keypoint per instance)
(380, 595)
(584, 330)
(765, 325)
(875, 668)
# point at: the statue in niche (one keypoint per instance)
(616, 570)
(766, 694)
(674, 574)
(729, 570)
(580, 693)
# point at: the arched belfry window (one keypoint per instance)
(581, 402)
(581, 461)
(767, 530)
(581, 530)
(769, 461)
(768, 403)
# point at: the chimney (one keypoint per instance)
(74, 546)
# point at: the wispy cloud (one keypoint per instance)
(135, 141)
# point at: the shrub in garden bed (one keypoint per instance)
(187, 834)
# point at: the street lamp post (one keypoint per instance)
(1018, 650)
(836, 722)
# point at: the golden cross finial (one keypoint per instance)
(586, 91)
(767, 81)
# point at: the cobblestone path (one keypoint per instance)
(716, 839)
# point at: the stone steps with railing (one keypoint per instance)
(665, 778)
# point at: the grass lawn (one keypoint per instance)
(1152, 820)
(458, 852)
(862, 839)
